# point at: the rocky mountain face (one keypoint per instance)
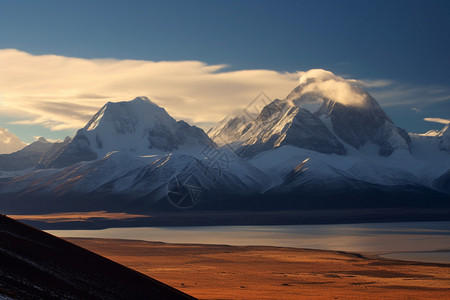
(227, 130)
(280, 123)
(139, 126)
(311, 119)
(359, 125)
(9, 142)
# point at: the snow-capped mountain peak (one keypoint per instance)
(437, 133)
(317, 85)
(225, 130)
(9, 142)
(325, 113)
(139, 126)
(127, 116)
(431, 132)
(440, 139)
(445, 132)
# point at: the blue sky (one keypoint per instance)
(405, 43)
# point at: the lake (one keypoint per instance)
(403, 240)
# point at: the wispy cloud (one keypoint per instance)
(63, 92)
(397, 94)
(375, 83)
(437, 120)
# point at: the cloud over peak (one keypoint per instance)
(318, 75)
(329, 85)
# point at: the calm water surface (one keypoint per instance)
(422, 238)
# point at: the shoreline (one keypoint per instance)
(377, 255)
(104, 219)
(268, 272)
(369, 255)
(374, 238)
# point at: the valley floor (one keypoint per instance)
(255, 272)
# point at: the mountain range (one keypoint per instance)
(327, 144)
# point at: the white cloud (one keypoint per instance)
(437, 120)
(378, 83)
(64, 92)
(397, 94)
(346, 91)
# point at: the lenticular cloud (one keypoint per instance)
(325, 83)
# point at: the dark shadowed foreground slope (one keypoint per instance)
(37, 265)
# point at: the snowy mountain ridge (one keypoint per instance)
(325, 113)
(139, 126)
(314, 144)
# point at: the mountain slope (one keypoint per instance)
(432, 144)
(281, 123)
(9, 142)
(136, 151)
(124, 181)
(225, 131)
(37, 265)
(139, 126)
(325, 113)
(30, 156)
